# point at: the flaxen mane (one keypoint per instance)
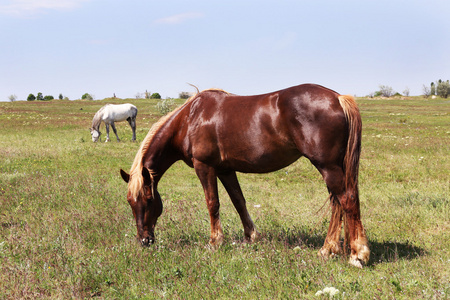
(136, 180)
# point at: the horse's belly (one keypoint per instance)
(259, 161)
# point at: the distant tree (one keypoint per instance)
(60, 97)
(426, 91)
(12, 98)
(443, 88)
(48, 98)
(155, 96)
(39, 96)
(87, 96)
(406, 92)
(31, 97)
(184, 95)
(433, 89)
(386, 91)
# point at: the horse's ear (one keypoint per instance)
(147, 176)
(125, 175)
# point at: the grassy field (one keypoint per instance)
(67, 231)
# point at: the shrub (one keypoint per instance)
(165, 106)
(31, 97)
(443, 88)
(155, 96)
(87, 96)
(48, 98)
(60, 97)
(184, 95)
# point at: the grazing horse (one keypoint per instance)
(111, 113)
(219, 134)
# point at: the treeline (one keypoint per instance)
(439, 88)
(41, 97)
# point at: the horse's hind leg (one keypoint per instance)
(107, 132)
(334, 179)
(231, 184)
(345, 204)
(331, 246)
(115, 131)
(132, 122)
(354, 230)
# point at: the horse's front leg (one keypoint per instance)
(231, 184)
(208, 179)
(115, 131)
(132, 122)
(107, 133)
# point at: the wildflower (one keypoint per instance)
(330, 291)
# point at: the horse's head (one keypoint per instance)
(95, 134)
(146, 205)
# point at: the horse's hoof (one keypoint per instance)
(356, 262)
(324, 253)
(331, 251)
(145, 242)
(254, 237)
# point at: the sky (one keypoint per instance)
(246, 47)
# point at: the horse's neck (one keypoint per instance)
(97, 120)
(160, 155)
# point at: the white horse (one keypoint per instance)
(111, 113)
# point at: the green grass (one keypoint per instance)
(67, 230)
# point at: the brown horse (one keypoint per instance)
(219, 134)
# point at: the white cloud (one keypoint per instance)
(32, 7)
(180, 18)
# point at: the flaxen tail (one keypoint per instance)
(352, 154)
(351, 159)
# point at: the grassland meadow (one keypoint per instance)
(67, 230)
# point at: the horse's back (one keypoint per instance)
(119, 112)
(263, 133)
